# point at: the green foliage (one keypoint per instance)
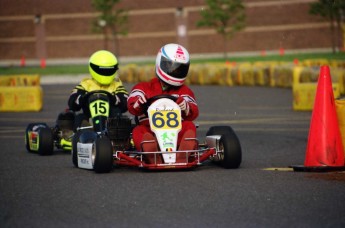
(226, 16)
(115, 19)
(329, 9)
(110, 21)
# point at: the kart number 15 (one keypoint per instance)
(99, 108)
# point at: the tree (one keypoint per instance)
(110, 20)
(332, 10)
(226, 16)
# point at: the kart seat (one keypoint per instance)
(119, 131)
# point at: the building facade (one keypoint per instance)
(62, 29)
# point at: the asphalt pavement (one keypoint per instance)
(48, 191)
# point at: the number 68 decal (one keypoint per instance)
(165, 119)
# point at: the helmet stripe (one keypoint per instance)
(164, 53)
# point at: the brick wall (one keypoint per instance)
(271, 24)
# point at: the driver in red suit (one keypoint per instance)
(172, 64)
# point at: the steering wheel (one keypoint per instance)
(110, 96)
(150, 100)
(157, 97)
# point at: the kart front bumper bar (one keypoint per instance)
(130, 158)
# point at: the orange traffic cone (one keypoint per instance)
(22, 61)
(43, 63)
(281, 51)
(324, 149)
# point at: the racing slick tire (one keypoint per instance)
(45, 138)
(102, 155)
(46, 143)
(28, 128)
(219, 130)
(229, 145)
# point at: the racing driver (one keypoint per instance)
(172, 65)
(103, 66)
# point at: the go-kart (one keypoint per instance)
(108, 142)
(42, 139)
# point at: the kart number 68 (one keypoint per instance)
(166, 119)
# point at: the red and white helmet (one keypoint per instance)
(172, 64)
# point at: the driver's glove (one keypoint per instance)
(139, 102)
(184, 106)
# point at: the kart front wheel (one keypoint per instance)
(230, 152)
(102, 155)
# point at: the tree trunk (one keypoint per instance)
(332, 32)
(339, 36)
(225, 47)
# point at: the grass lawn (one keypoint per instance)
(82, 69)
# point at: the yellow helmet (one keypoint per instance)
(103, 66)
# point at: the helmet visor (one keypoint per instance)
(104, 70)
(174, 69)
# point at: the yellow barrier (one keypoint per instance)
(283, 75)
(246, 75)
(269, 73)
(304, 89)
(338, 75)
(227, 75)
(304, 95)
(21, 98)
(315, 62)
(340, 107)
(20, 93)
(20, 80)
(128, 73)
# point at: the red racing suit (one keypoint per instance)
(154, 88)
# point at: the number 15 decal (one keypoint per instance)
(99, 108)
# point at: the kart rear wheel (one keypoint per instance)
(220, 130)
(46, 142)
(102, 155)
(27, 142)
(230, 156)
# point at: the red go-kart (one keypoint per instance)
(108, 142)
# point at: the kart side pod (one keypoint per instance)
(212, 141)
(84, 148)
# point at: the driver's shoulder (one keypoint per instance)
(87, 83)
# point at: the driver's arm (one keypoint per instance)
(191, 112)
(135, 102)
(74, 101)
(121, 100)
(188, 104)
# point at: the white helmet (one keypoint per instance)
(172, 64)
